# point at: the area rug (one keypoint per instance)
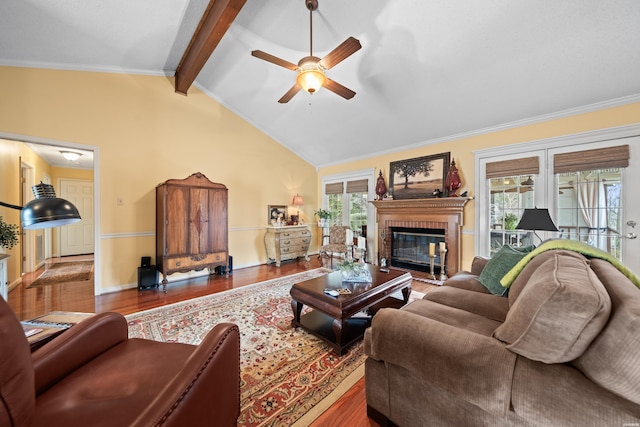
(288, 377)
(69, 271)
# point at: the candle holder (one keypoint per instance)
(432, 259)
(443, 274)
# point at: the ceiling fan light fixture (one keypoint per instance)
(310, 75)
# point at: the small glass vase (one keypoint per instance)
(355, 272)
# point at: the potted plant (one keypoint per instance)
(510, 221)
(8, 234)
(323, 217)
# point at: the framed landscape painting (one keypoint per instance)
(420, 177)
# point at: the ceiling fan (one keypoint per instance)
(311, 69)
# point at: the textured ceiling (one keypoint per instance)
(427, 70)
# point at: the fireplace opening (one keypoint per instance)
(410, 248)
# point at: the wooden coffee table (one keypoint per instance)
(332, 318)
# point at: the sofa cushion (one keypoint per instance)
(611, 360)
(559, 312)
(529, 270)
(492, 307)
(499, 265)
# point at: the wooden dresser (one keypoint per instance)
(191, 225)
(287, 242)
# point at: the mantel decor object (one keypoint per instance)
(418, 178)
(381, 187)
(452, 181)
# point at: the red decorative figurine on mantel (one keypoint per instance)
(452, 181)
(381, 187)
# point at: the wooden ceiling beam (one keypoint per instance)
(215, 22)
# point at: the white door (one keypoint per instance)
(629, 200)
(77, 238)
(631, 207)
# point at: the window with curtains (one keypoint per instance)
(582, 188)
(347, 202)
(347, 197)
(589, 185)
(512, 185)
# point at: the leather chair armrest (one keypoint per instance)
(473, 367)
(207, 389)
(75, 347)
(478, 264)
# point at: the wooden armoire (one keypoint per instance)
(191, 225)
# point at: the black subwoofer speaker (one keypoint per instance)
(148, 277)
(221, 269)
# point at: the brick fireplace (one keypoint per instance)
(442, 214)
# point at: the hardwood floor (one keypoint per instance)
(28, 302)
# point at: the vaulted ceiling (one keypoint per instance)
(427, 70)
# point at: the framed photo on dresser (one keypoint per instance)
(276, 211)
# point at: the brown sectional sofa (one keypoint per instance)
(562, 349)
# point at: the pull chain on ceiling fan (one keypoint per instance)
(311, 69)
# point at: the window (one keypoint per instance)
(347, 197)
(511, 190)
(589, 208)
(509, 197)
(590, 195)
(580, 179)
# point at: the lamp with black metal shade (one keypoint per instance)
(536, 219)
(46, 210)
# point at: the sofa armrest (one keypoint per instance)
(206, 390)
(77, 346)
(478, 264)
(487, 305)
(476, 368)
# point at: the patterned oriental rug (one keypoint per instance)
(288, 377)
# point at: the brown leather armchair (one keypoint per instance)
(93, 374)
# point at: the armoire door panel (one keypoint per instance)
(199, 221)
(177, 224)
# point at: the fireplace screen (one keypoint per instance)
(410, 248)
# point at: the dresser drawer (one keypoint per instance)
(295, 242)
(197, 260)
(297, 249)
(294, 234)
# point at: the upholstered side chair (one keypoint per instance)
(337, 242)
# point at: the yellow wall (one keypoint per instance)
(12, 154)
(462, 151)
(9, 173)
(146, 134)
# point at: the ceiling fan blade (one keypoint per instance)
(337, 88)
(274, 59)
(290, 94)
(337, 55)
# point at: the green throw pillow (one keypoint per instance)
(499, 265)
